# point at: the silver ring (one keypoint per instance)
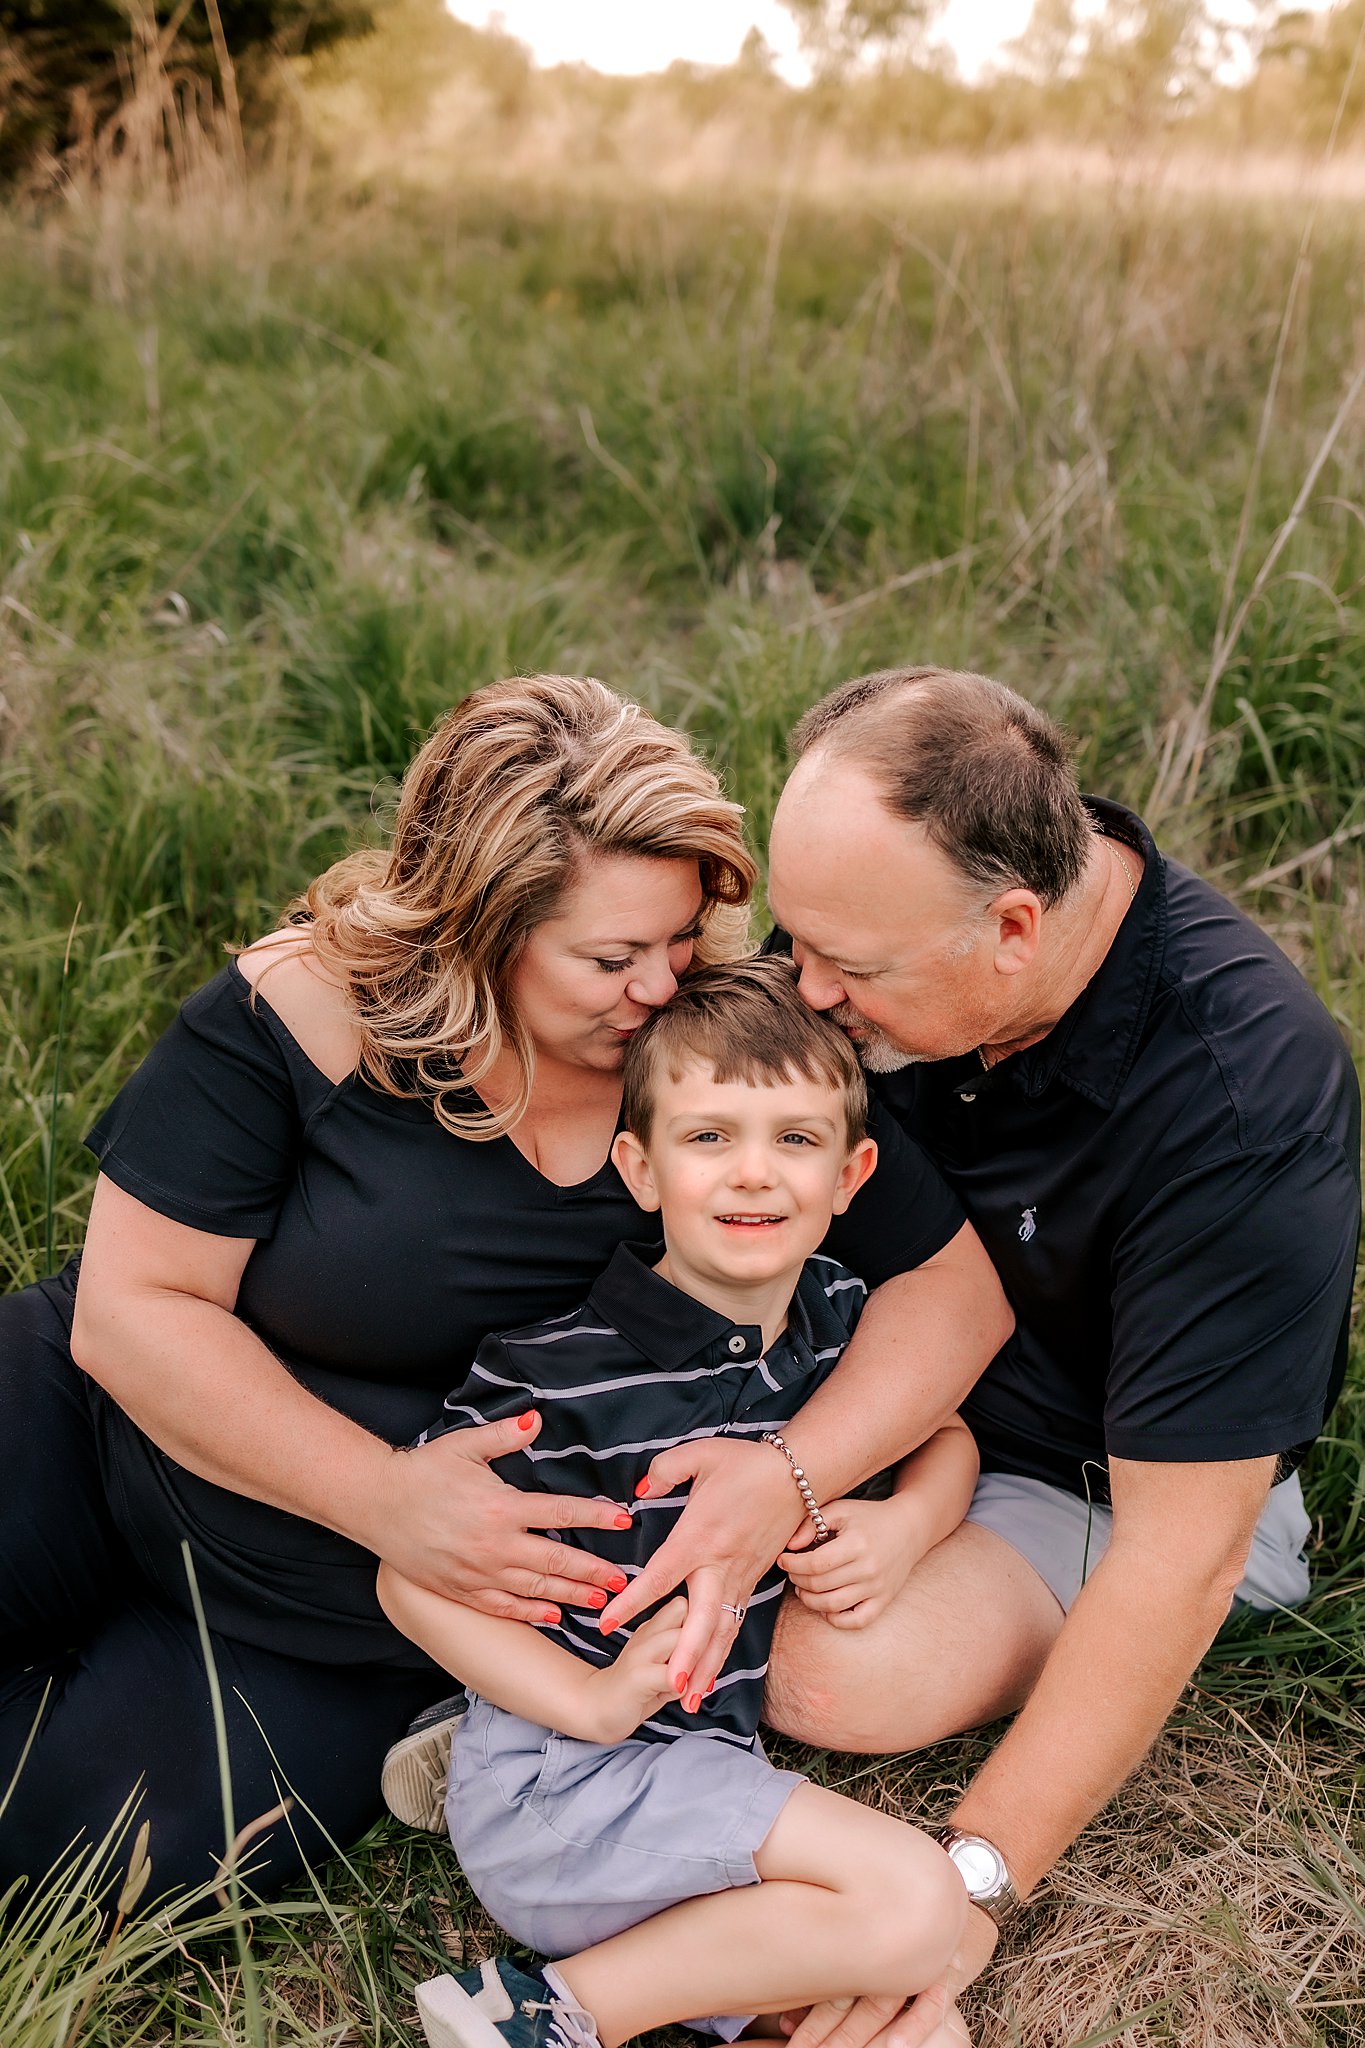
(738, 1612)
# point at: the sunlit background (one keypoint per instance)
(621, 36)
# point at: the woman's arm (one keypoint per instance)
(519, 1669)
(154, 1326)
(923, 1341)
(876, 1545)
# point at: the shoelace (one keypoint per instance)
(570, 2026)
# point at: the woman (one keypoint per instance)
(380, 1133)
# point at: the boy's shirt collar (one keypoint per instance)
(671, 1328)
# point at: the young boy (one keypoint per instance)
(641, 1838)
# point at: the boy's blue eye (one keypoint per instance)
(797, 1138)
(706, 1137)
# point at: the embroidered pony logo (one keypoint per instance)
(1027, 1225)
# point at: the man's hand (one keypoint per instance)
(637, 1684)
(743, 1509)
(451, 1525)
(853, 1579)
(931, 2018)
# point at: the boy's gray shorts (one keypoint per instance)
(1064, 1538)
(567, 1843)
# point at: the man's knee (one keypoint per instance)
(961, 1645)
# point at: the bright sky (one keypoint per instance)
(626, 35)
(646, 35)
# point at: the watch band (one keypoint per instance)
(983, 1871)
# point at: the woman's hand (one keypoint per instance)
(854, 1577)
(638, 1684)
(450, 1524)
(742, 1510)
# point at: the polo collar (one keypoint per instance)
(1092, 1047)
(671, 1328)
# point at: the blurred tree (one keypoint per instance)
(1051, 47)
(838, 33)
(67, 65)
(1146, 60)
(1325, 56)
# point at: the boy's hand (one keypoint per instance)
(853, 1578)
(637, 1684)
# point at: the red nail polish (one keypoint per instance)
(606, 1627)
(550, 1614)
(618, 1584)
(622, 1520)
(711, 1687)
(597, 1598)
(693, 1703)
(528, 1420)
(642, 1489)
(681, 1680)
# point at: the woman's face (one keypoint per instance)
(613, 952)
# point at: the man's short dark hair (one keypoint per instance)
(989, 777)
(745, 1020)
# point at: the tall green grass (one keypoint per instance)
(277, 485)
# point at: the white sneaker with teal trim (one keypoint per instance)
(499, 2006)
(413, 1779)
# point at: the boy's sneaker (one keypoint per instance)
(499, 2006)
(413, 1780)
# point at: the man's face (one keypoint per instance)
(889, 936)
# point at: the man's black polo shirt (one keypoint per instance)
(1169, 1186)
(639, 1368)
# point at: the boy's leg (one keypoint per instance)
(851, 1901)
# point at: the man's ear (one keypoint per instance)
(1018, 918)
(854, 1172)
(632, 1163)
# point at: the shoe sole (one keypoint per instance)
(451, 2019)
(413, 1780)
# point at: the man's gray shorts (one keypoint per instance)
(1064, 1538)
(567, 1843)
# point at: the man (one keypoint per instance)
(1154, 1127)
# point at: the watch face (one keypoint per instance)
(980, 1867)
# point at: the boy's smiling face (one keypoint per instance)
(747, 1178)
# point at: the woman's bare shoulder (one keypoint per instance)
(309, 1001)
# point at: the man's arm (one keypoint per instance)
(924, 1339)
(515, 1667)
(1129, 1646)
(1126, 1652)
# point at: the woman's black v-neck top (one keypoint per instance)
(386, 1249)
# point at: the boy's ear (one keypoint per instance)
(854, 1171)
(632, 1163)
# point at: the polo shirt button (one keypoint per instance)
(967, 1098)
(737, 1344)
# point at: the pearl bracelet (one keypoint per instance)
(823, 1532)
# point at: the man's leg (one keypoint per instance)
(963, 1644)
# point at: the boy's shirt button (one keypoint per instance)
(738, 1344)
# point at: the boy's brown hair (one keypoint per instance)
(745, 1020)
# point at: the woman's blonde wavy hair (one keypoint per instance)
(515, 788)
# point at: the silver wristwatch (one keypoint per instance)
(983, 1870)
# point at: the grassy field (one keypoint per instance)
(279, 480)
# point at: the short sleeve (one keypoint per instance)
(903, 1215)
(1232, 1292)
(207, 1130)
(493, 1390)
